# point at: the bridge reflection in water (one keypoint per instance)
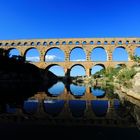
(80, 106)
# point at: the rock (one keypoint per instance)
(136, 83)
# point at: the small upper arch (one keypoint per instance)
(98, 42)
(105, 42)
(84, 42)
(51, 43)
(38, 43)
(64, 43)
(13, 44)
(77, 43)
(25, 43)
(57, 43)
(70, 43)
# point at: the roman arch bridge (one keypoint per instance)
(68, 44)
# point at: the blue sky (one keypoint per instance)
(71, 18)
(25, 19)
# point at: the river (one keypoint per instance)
(70, 108)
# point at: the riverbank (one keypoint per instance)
(126, 80)
(134, 90)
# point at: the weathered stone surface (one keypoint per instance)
(135, 90)
(136, 83)
(68, 44)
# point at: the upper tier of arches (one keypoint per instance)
(72, 41)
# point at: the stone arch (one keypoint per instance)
(84, 42)
(70, 42)
(51, 43)
(7, 44)
(77, 43)
(13, 44)
(74, 56)
(32, 43)
(15, 52)
(73, 74)
(34, 56)
(120, 65)
(112, 42)
(127, 42)
(120, 42)
(134, 41)
(137, 51)
(98, 42)
(120, 54)
(25, 43)
(19, 44)
(100, 54)
(57, 43)
(105, 42)
(64, 43)
(54, 54)
(58, 69)
(97, 68)
(38, 43)
(44, 43)
(91, 42)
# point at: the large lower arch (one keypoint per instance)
(54, 55)
(77, 70)
(137, 51)
(56, 69)
(96, 68)
(120, 54)
(13, 52)
(99, 54)
(77, 54)
(32, 55)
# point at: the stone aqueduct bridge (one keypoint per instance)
(68, 44)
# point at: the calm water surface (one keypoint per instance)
(93, 107)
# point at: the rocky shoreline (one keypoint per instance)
(133, 91)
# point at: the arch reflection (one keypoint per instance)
(97, 92)
(116, 104)
(99, 107)
(56, 89)
(77, 107)
(30, 106)
(77, 90)
(10, 109)
(53, 107)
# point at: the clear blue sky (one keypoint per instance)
(25, 19)
(69, 18)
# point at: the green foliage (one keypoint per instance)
(121, 75)
(108, 73)
(135, 58)
(125, 75)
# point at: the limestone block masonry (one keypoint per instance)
(68, 44)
